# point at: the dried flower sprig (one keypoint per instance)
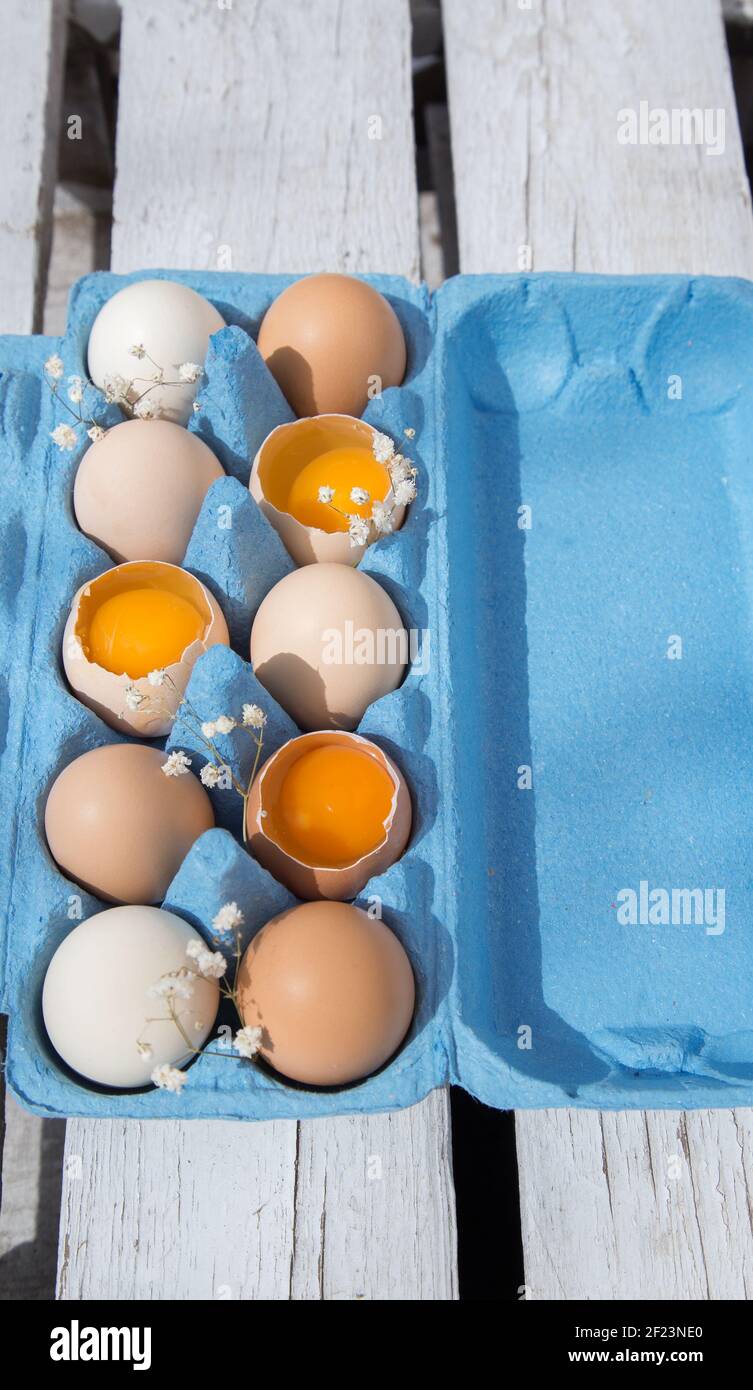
(178, 985)
(132, 395)
(403, 473)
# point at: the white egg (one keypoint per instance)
(172, 323)
(96, 998)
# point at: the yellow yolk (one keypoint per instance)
(332, 807)
(142, 630)
(341, 469)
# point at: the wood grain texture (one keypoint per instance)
(267, 152)
(655, 1205)
(32, 45)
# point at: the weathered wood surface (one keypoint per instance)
(32, 42)
(263, 147)
(613, 1205)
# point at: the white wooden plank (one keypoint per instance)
(32, 42)
(613, 1205)
(264, 148)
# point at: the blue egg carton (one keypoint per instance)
(576, 896)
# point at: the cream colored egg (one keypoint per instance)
(326, 643)
(172, 323)
(127, 700)
(138, 491)
(96, 998)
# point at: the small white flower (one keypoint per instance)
(156, 678)
(190, 371)
(209, 729)
(65, 437)
(228, 919)
(133, 697)
(409, 433)
(169, 1078)
(405, 492)
(115, 389)
(147, 408)
(224, 725)
(210, 775)
(96, 432)
(382, 448)
(76, 386)
(211, 964)
(326, 494)
(247, 1041)
(54, 367)
(358, 530)
(381, 515)
(359, 495)
(138, 350)
(144, 1049)
(401, 469)
(254, 717)
(177, 763)
(174, 986)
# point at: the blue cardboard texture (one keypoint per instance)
(584, 505)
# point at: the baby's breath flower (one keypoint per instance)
(54, 367)
(227, 920)
(409, 433)
(156, 678)
(224, 725)
(247, 1041)
(190, 371)
(177, 763)
(138, 350)
(359, 495)
(144, 1049)
(115, 389)
(382, 448)
(326, 494)
(169, 1078)
(177, 985)
(254, 717)
(133, 697)
(381, 515)
(146, 409)
(405, 492)
(209, 729)
(211, 964)
(96, 432)
(210, 775)
(76, 386)
(64, 436)
(358, 530)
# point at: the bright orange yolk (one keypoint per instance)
(341, 469)
(142, 630)
(332, 807)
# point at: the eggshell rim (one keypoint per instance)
(291, 522)
(317, 877)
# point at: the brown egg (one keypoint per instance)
(329, 340)
(326, 813)
(332, 990)
(139, 490)
(116, 824)
(326, 642)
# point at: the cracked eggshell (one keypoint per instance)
(310, 881)
(172, 322)
(309, 636)
(308, 544)
(103, 691)
(96, 1000)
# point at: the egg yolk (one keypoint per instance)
(142, 630)
(332, 807)
(341, 469)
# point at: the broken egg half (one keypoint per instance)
(132, 639)
(327, 812)
(335, 452)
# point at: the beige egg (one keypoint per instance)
(334, 815)
(128, 701)
(172, 323)
(283, 456)
(139, 490)
(332, 990)
(96, 998)
(328, 641)
(328, 340)
(116, 824)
